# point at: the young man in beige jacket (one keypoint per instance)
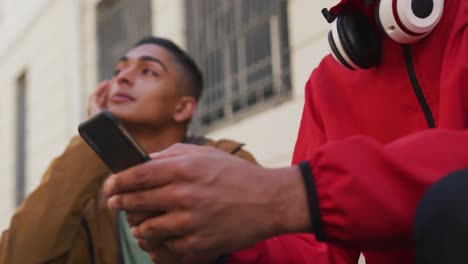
(154, 93)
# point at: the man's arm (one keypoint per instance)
(216, 203)
(44, 226)
(366, 192)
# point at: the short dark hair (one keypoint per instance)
(190, 68)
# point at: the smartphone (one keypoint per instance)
(108, 138)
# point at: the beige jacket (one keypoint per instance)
(65, 220)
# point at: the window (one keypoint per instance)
(21, 118)
(120, 24)
(242, 49)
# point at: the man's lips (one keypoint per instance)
(121, 98)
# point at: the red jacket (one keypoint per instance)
(370, 151)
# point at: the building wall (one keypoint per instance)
(15, 17)
(168, 20)
(88, 40)
(40, 45)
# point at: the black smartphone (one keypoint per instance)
(108, 138)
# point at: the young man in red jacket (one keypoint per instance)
(371, 142)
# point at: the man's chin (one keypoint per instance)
(121, 114)
(128, 116)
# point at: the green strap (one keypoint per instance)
(131, 252)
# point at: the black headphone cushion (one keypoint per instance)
(336, 52)
(359, 39)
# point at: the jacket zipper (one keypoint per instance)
(417, 88)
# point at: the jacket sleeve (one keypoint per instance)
(367, 192)
(44, 226)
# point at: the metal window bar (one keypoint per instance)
(242, 49)
(120, 24)
(21, 139)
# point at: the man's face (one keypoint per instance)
(144, 89)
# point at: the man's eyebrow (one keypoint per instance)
(123, 59)
(146, 58)
(153, 59)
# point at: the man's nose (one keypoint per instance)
(126, 76)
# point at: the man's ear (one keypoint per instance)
(185, 109)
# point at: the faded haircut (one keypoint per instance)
(191, 72)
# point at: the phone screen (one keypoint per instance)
(106, 136)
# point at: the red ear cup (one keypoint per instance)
(353, 41)
(407, 21)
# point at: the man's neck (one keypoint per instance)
(153, 139)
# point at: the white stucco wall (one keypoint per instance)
(43, 49)
(169, 20)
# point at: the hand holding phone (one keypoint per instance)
(108, 138)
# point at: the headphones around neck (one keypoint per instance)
(356, 45)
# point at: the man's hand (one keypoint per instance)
(97, 100)
(213, 202)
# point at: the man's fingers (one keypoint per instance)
(162, 255)
(158, 252)
(135, 219)
(187, 245)
(177, 149)
(150, 200)
(102, 86)
(160, 228)
(169, 166)
(97, 100)
(151, 174)
(102, 92)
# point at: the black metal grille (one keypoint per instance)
(242, 49)
(120, 24)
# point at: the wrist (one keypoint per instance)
(290, 204)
